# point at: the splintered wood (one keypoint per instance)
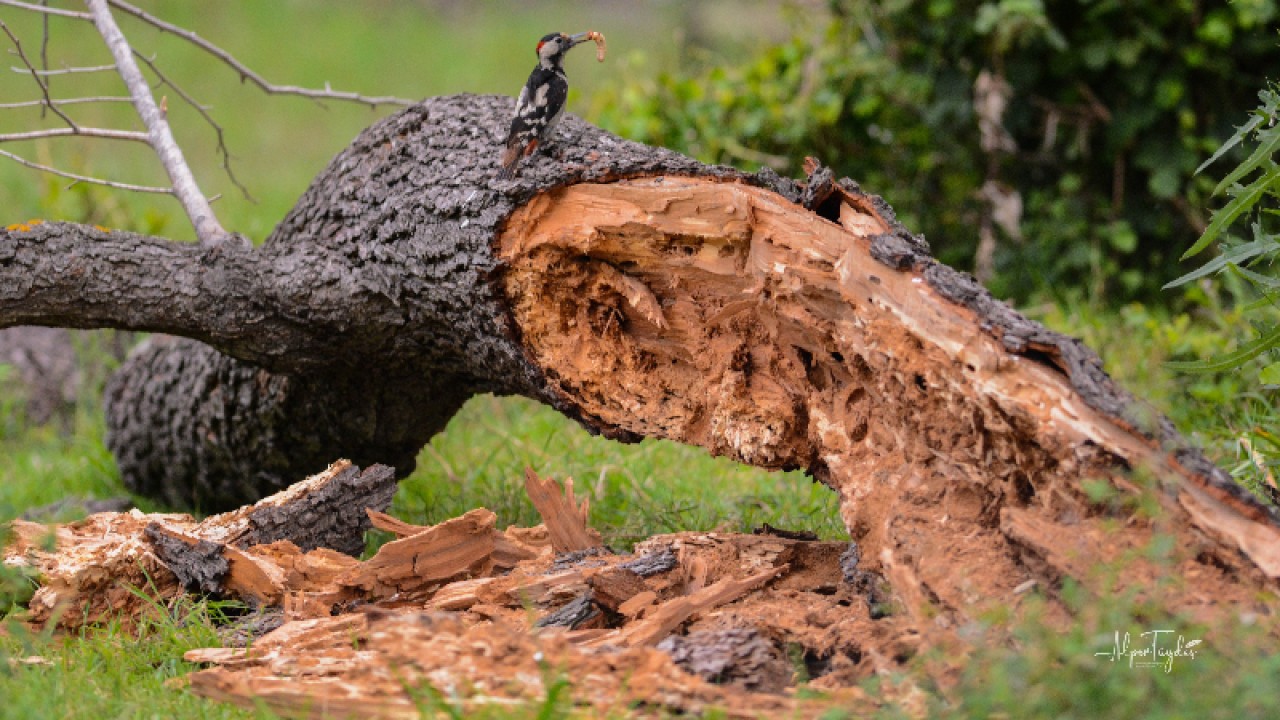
(688, 623)
(106, 566)
(818, 334)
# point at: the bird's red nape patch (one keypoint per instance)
(539, 48)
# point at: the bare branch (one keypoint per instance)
(86, 178)
(204, 113)
(81, 131)
(68, 70)
(66, 101)
(188, 193)
(35, 75)
(47, 10)
(248, 74)
(44, 48)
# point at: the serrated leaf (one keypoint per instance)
(1257, 278)
(1244, 200)
(1232, 360)
(1233, 256)
(1240, 134)
(1268, 143)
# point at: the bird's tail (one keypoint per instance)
(510, 159)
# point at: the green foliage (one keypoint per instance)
(1112, 104)
(111, 671)
(1051, 672)
(1246, 265)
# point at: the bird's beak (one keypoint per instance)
(579, 38)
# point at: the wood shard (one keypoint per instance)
(565, 518)
(327, 510)
(454, 549)
(615, 586)
(661, 621)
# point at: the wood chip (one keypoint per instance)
(454, 549)
(659, 623)
(565, 518)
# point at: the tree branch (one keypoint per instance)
(248, 74)
(78, 276)
(74, 131)
(193, 201)
(69, 70)
(47, 10)
(35, 75)
(64, 101)
(204, 113)
(86, 178)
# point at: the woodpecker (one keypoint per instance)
(541, 101)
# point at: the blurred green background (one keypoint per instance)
(1110, 107)
(278, 143)
(376, 47)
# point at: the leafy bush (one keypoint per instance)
(1110, 107)
(1253, 187)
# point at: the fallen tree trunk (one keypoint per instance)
(784, 325)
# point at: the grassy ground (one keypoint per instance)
(417, 49)
(638, 490)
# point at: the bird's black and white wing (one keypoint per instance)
(538, 109)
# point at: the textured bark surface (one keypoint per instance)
(113, 565)
(644, 294)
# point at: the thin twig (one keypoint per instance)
(65, 101)
(68, 70)
(85, 178)
(44, 47)
(248, 74)
(188, 193)
(35, 75)
(77, 131)
(204, 113)
(47, 10)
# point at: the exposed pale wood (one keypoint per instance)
(204, 566)
(460, 595)
(661, 621)
(393, 525)
(823, 336)
(615, 586)
(332, 668)
(638, 603)
(454, 549)
(110, 563)
(565, 518)
(544, 588)
(91, 570)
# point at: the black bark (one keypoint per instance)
(357, 330)
(373, 310)
(737, 656)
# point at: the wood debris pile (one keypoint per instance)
(464, 613)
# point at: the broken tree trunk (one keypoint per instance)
(644, 294)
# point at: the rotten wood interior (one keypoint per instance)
(723, 315)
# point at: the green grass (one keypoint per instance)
(383, 47)
(415, 50)
(635, 490)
